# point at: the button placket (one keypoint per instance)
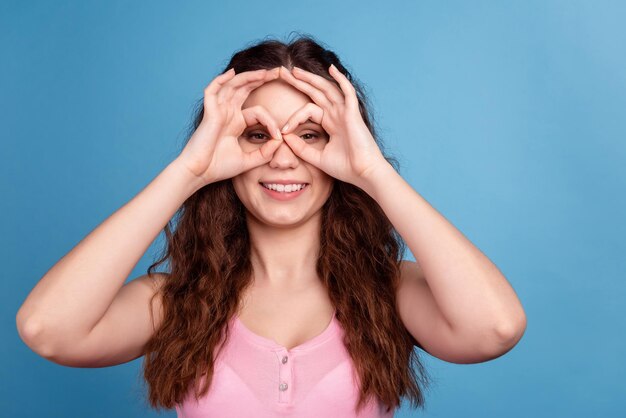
(285, 386)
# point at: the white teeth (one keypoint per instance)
(284, 188)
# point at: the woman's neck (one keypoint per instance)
(285, 257)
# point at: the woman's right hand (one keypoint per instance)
(213, 152)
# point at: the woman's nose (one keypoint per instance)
(284, 157)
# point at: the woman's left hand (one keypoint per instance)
(351, 153)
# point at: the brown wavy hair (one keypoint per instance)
(209, 257)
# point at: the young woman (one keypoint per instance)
(287, 294)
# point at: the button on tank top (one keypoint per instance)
(256, 377)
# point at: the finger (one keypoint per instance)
(263, 76)
(219, 81)
(239, 94)
(303, 150)
(241, 79)
(333, 93)
(258, 114)
(213, 87)
(309, 111)
(316, 95)
(346, 86)
(261, 155)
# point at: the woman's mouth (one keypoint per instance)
(284, 191)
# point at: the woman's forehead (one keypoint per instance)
(279, 98)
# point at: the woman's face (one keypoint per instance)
(271, 207)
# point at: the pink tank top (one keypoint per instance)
(256, 377)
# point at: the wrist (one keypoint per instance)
(192, 182)
(376, 177)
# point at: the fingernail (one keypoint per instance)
(285, 128)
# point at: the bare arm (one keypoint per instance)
(72, 297)
(81, 313)
(454, 300)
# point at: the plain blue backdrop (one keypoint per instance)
(508, 117)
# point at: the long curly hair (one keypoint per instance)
(209, 258)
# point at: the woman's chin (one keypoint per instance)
(280, 218)
(283, 221)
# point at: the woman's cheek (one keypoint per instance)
(246, 145)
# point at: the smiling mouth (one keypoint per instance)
(280, 188)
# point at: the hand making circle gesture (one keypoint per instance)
(213, 152)
(351, 153)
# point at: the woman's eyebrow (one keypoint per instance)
(308, 122)
(255, 126)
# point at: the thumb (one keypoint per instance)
(261, 155)
(302, 149)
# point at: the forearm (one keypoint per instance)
(469, 289)
(76, 292)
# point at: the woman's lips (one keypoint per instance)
(283, 195)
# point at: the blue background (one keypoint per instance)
(508, 117)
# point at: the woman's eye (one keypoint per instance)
(260, 136)
(256, 136)
(313, 135)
